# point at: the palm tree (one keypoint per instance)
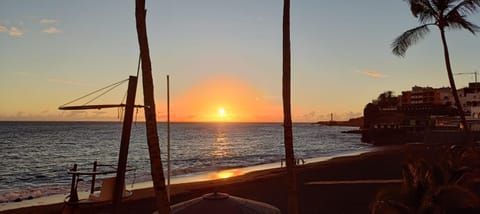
(387, 99)
(445, 14)
(287, 116)
(158, 177)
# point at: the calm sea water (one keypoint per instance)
(35, 156)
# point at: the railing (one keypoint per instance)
(73, 197)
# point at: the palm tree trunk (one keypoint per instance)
(287, 120)
(161, 198)
(452, 84)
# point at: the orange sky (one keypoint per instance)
(52, 53)
(222, 100)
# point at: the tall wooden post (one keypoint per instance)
(158, 177)
(125, 141)
(287, 114)
(169, 169)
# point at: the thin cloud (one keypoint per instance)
(52, 30)
(48, 21)
(12, 31)
(372, 74)
(15, 32)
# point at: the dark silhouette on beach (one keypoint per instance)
(287, 114)
(158, 177)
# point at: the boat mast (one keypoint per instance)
(125, 141)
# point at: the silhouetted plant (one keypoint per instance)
(445, 14)
(387, 99)
(432, 186)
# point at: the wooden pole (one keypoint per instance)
(287, 120)
(168, 138)
(125, 141)
(92, 186)
(73, 188)
(158, 176)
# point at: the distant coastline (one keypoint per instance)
(355, 122)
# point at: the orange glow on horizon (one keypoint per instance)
(225, 100)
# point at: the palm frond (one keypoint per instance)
(457, 21)
(423, 10)
(442, 5)
(408, 38)
(466, 7)
(473, 28)
(450, 199)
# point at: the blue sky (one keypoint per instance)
(54, 51)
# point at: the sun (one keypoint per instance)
(221, 112)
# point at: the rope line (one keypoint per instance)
(113, 87)
(124, 98)
(114, 84)
(138, 67)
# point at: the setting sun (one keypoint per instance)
(221, 112)
(225, 99)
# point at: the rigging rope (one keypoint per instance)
(114, 85)
(138, 67)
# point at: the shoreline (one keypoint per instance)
(263, 185)
(207, 176)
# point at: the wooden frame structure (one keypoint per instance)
(124, 145)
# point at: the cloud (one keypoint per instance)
(48, 21)
(52, 30)
(15, 32)
(371, 74)
(12, 31)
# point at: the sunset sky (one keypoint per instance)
(223, 57)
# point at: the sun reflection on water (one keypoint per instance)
(221, 145)
(226, 174)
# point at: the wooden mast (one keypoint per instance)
(158, 177)
(125, 141)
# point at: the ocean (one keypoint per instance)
(35, 156)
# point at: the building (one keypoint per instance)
(421, 96)
(423, 114)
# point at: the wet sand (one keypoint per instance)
(340, 185)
